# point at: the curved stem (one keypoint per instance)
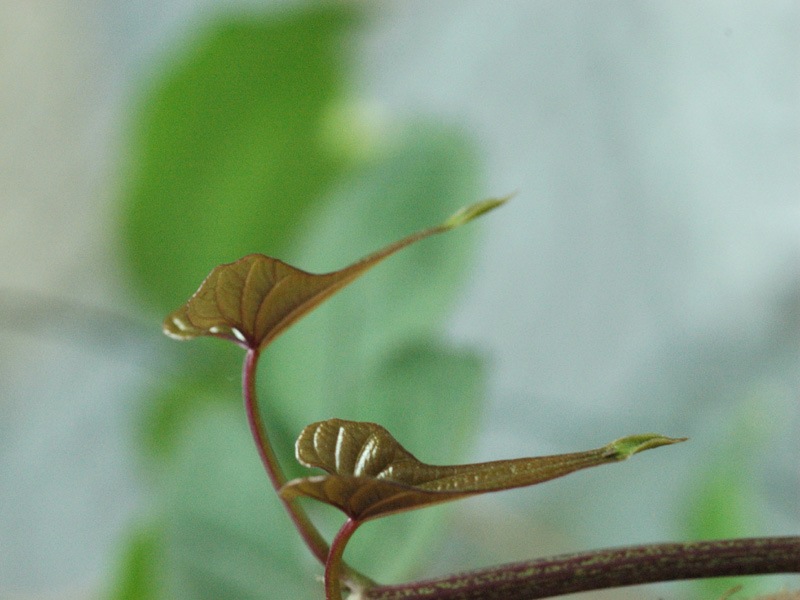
(333, 589)
(268, 458)
(310, 534)
(607, 568)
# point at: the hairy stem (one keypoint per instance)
(310, 534)
(608, 568)
(333, 589)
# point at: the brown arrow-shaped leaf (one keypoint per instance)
(253, 300)
(372, 475)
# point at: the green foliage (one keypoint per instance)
(239, 149)
(228, 536)
(169, 407)
(141, 573)
(431, 394)
(367, 351)
(227, 156)
(233, 153)
(722, 503)
(429, 173)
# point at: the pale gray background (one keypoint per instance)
(645, 277)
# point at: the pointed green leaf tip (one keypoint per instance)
(466, 214)
(624, 448)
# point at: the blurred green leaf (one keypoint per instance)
(431, 395)
(219, 492)
(359, 355)
(430, 171)
(198, 374)
(227, 535)
(723, 503)
(227, 153)
(233, 152)
(170, 406)
(141, 574)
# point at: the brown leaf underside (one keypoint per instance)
(251, 301)
(372, 475)
(254, 299)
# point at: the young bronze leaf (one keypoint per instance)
(253, 300)
(372, 475)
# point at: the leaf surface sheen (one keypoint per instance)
(372, 475)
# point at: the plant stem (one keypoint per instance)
(333, 589)
(310, 534)
(607, 568)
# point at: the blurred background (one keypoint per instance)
(644, 278)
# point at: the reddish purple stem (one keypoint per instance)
(310, 534)
(609, 568)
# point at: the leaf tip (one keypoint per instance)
(467, 213)
(624, 448)
(289, 491)
(177, 325)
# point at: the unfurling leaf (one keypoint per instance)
(253, 300)
(372, 475)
